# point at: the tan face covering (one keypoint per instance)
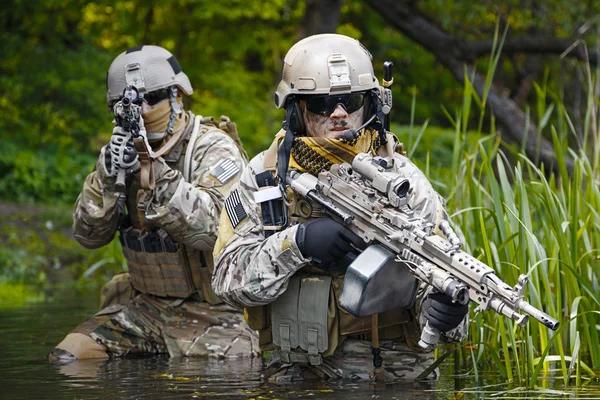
(316, 154)
(156, 121)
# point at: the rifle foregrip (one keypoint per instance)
(430, 337)
(120, 184)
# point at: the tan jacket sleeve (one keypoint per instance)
(252, 270)
(189, 212)
(96, 214)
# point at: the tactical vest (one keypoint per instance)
(158, 265)
(298, 324)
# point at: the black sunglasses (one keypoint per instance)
(325, 105)
(156, 96)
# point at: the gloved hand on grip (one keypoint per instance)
(326, 240)
(120, 153)
(442, 313)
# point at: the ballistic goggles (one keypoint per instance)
(326, 104)
(156, 96)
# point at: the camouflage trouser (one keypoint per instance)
(353, 360)
(149, 324)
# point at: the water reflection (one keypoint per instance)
(27, 334)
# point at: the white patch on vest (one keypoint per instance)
(225, 170)
(235, 209)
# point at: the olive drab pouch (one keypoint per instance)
(157, 265)
(300, 319)
(162, 267)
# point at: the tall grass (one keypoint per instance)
(521, 219)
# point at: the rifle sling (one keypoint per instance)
(147, 157)
(146, 167)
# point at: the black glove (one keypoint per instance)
(442, 313)
(327, 241)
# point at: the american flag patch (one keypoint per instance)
(235, 209)
(225, 170)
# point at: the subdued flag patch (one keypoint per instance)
(235, 209)
(224, 170)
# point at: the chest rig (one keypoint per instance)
(306, 323)
(158, 265)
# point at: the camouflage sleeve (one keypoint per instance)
(96, 214)
(251, 270)
(426, 202)
(423, 199)
(189, 212)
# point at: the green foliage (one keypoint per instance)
(17, 295)
(37, 249)
(520, 219)
(45, 174)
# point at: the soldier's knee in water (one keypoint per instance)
(77, 346)
(60, 356)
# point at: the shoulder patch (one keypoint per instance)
(224, 170)
(235, 209)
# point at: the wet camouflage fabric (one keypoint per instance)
(117, 291)
(251, 270)
(188, 212)
(152, 325)
(353, 361)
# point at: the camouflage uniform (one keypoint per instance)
(188, 213)
(252, 271)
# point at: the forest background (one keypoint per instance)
(486, 95)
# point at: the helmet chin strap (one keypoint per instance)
(175, 108)
(283, 153)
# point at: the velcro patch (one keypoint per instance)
(235, 209)
(225, 170)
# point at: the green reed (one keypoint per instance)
(520, 218)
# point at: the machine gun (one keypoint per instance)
(371, 200)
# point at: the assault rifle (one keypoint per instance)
(371, 200)
(128, 113)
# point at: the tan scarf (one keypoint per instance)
(156, 122)
(316, 154)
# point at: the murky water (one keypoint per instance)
(28, 333)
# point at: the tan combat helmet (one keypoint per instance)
(325, 64)
(148, 68)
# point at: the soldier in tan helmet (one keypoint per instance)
(167, 230)
(286, 266)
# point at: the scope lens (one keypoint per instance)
(403, 188)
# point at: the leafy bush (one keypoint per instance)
(46, 174)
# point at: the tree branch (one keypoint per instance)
(450, 52)
(531, 45)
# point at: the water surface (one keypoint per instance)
(28, 333)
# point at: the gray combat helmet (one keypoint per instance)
(325, 64)
(148, 68)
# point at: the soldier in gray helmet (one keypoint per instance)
(166, 220)
(284, 260)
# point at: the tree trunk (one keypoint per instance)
(320, 16)
(452, 53)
